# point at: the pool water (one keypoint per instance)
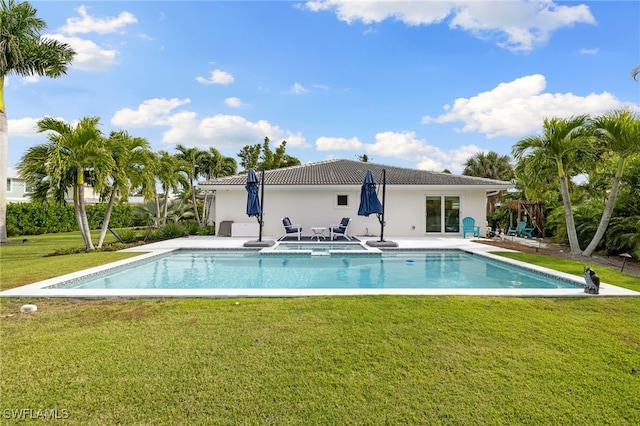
(319, 247)
(251, 270)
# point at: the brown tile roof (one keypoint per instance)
(349, 172)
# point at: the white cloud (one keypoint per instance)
(404, 146)
(186, 127)
(87, 24)
(338, 144)
(234, 102)
(518, 108)
(589, 51)
(89, 56)
(25, 127)
(514, 25)
(217, 77)
(152, 112)
(320, 86)
(225, 131)
(298, 89)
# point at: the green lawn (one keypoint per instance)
(319, 360)
(29, 262)
(326, 360)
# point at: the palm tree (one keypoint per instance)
(619, 132)
(562, 139)
(131, 157)
(73, 158)
(212, 164)
(23, 52)
(191, 157)
(171, 176)
(490, 165)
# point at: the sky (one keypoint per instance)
(418, 84)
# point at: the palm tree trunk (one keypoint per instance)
(604, 220)
(78, 214)
(107, 216)
(83, 217)
(4, 167)
(156, 219)
(568, 212)
(195, 205)
(165, 208)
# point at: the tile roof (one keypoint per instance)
(350, 172)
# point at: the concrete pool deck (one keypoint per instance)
(40, 289)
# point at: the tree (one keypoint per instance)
(490, 165)
(74, 157)
(562, 140)
(619, 133)
(25, 53)
(191, 158)
(364, 158)
(213, 164)
(171, 176)
(132, 158)
(263, 158)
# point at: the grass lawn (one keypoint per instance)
(29, 262)
(320, 360)
(326, 360)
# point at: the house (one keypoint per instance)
(416, 202)
(17, 188)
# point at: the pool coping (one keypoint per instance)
(43, 289)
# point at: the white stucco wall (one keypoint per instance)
(316, 206)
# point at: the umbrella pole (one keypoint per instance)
(384, 188)
(261, 206)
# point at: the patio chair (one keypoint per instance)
(290, 229)
(522, 230)
(469, 226)
(340, 229)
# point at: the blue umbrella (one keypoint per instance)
(369, 202)
(253, 201)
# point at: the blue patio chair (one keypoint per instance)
(522, 230)
(341, 229)
(290, 229)
(469, 226)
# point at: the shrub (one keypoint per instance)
(172, 230)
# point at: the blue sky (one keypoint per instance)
(420, 84)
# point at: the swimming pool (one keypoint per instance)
(201, 269)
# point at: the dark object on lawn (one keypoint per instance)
(624, 257)
(592, 281)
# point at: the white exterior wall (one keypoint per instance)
(316, 206)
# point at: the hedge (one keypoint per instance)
(47, 218)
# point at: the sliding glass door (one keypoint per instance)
(443, 214)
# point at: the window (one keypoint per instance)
(342, 200)
(8, 185)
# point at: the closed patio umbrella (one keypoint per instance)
(253, 200)
(369, 203)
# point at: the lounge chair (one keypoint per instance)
(469, 226)
(290, 229)
(340, 229)
(522, 230)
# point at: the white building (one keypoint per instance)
(416, 202)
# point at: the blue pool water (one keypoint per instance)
(251, 270)
(320, 247)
